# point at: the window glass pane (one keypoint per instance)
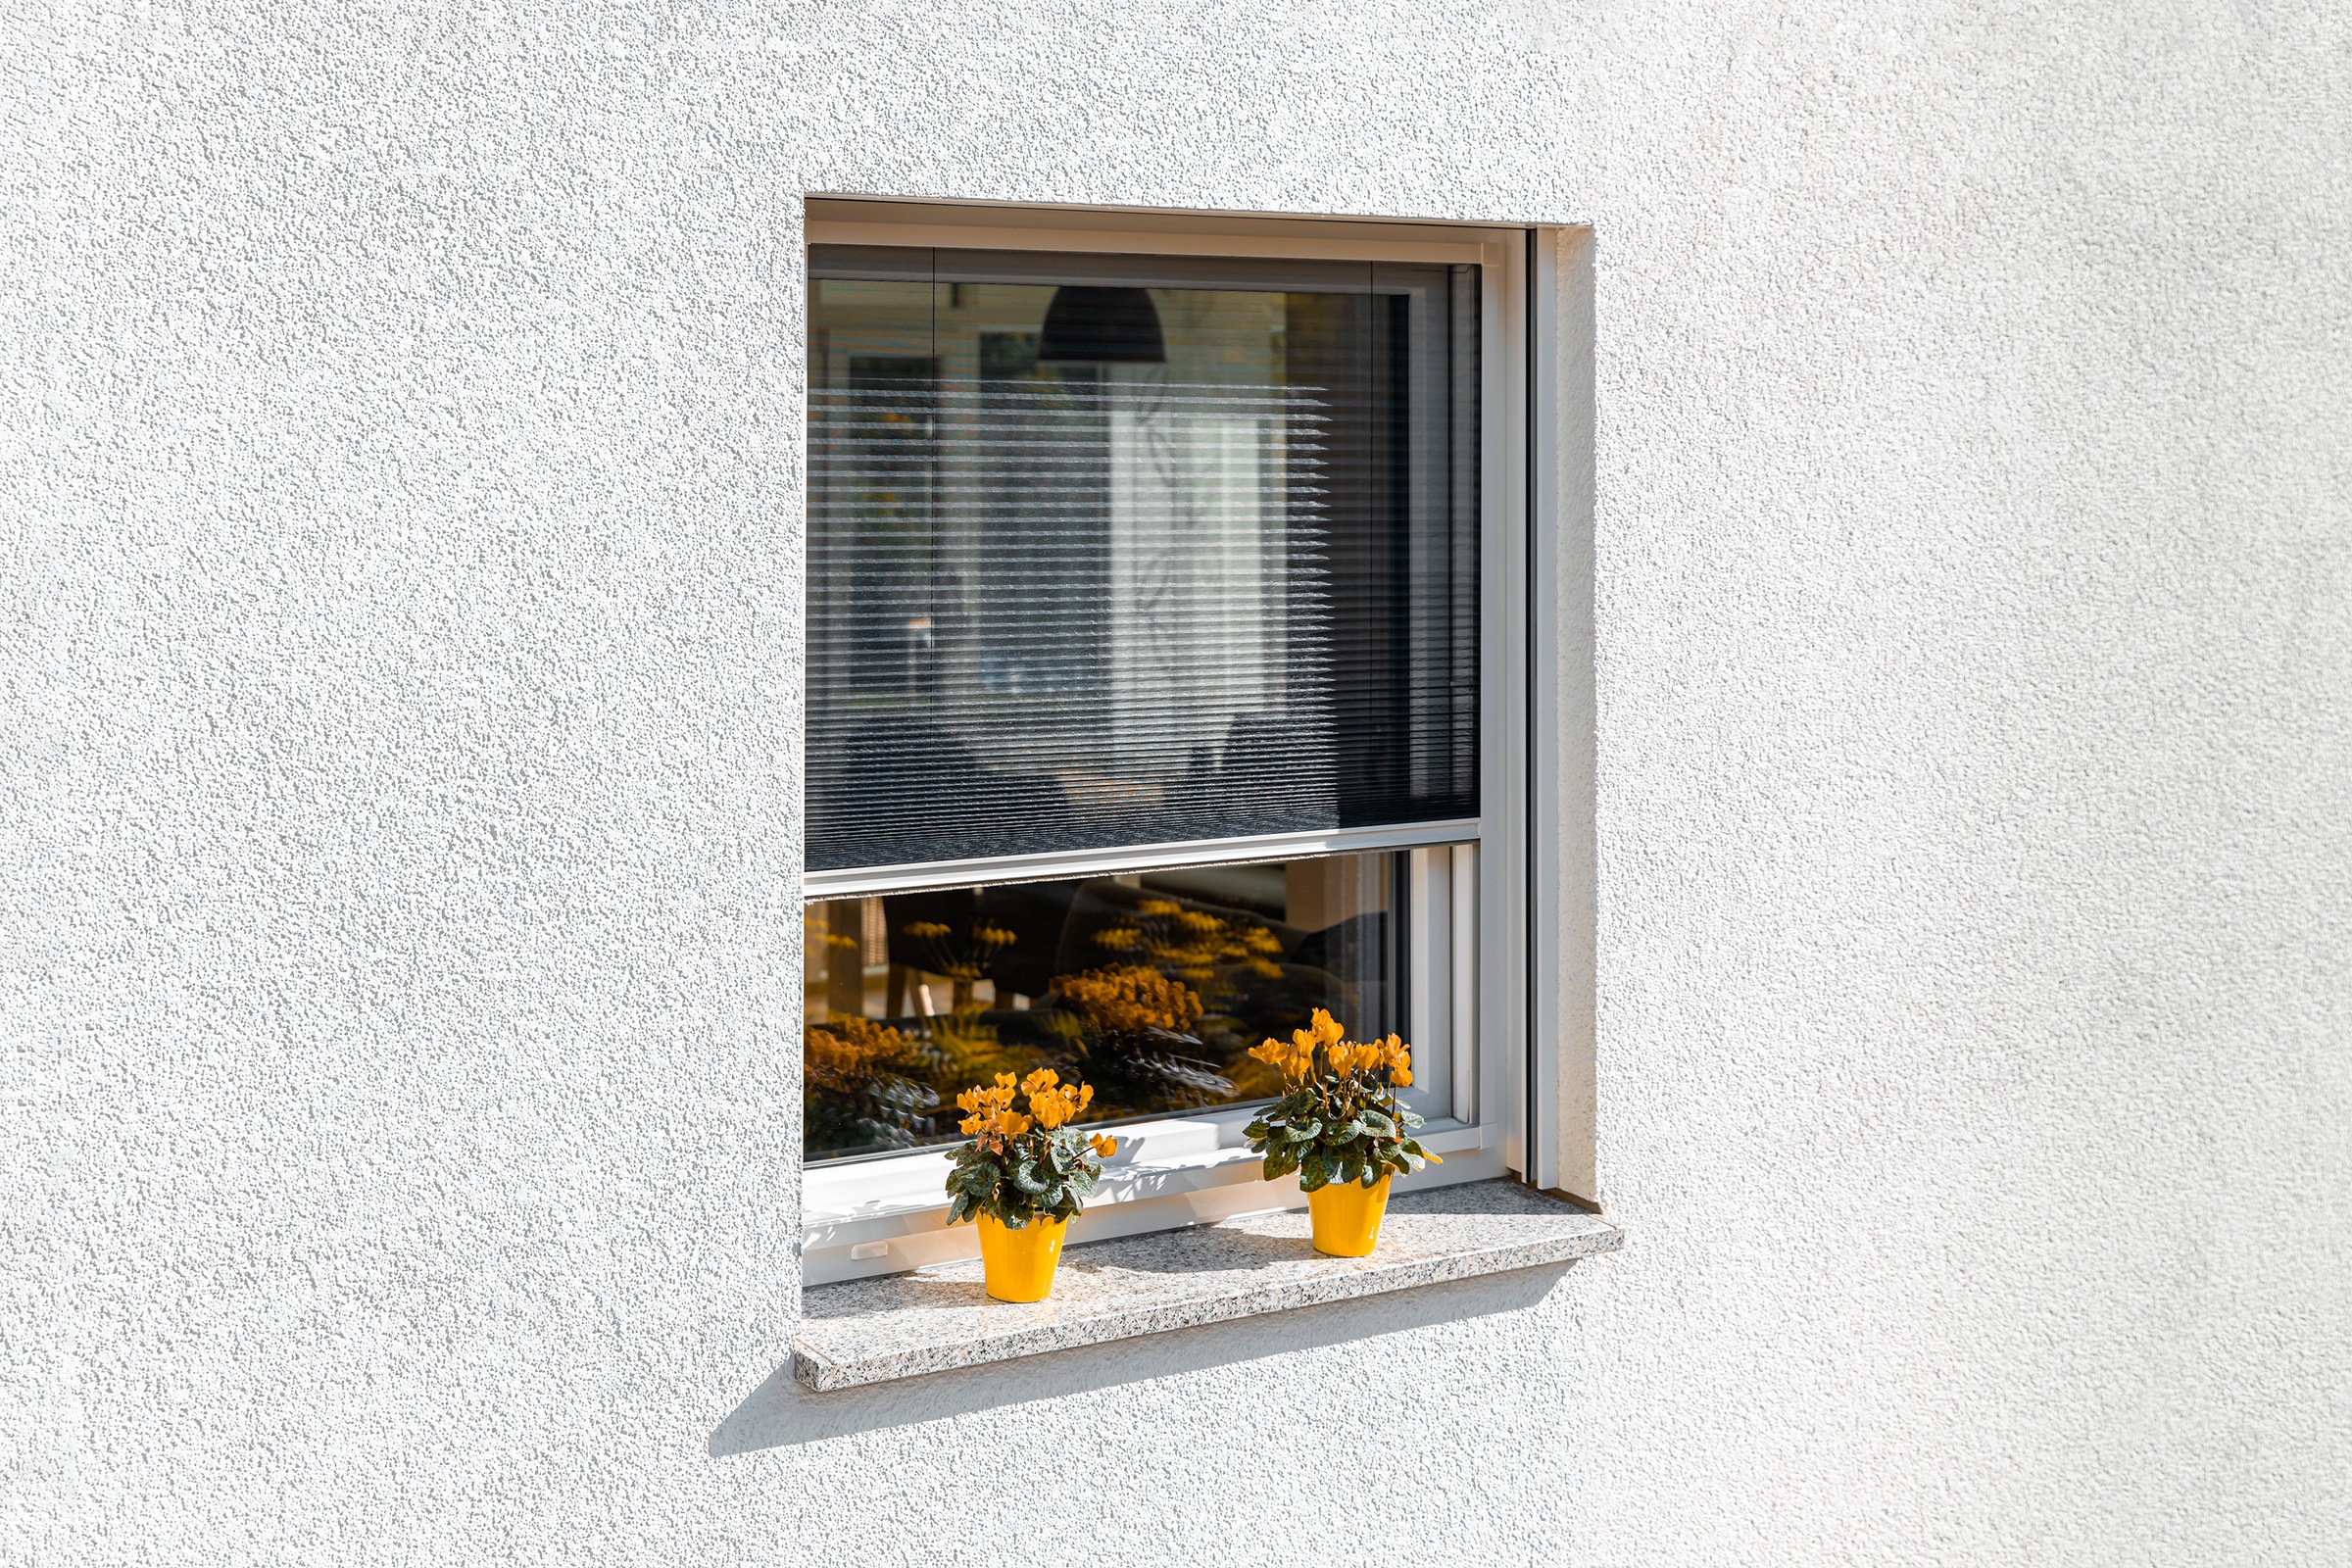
(1152, 988)
(1109, 551)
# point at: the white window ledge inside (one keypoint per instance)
(938, 1319)
(887, 1216)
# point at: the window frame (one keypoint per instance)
(886, 1213)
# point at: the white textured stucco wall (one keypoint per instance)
(400, 711)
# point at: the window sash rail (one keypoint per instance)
(1056, 864)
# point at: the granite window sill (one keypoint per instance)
(937, 1319)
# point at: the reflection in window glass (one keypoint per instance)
(1150, 987)
(1158, 551)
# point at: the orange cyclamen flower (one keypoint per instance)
(1295, 1057)
(989, 1113)
(1052, 1101)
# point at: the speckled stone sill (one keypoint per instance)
(937, 1319)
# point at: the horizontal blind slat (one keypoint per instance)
(1077, 616)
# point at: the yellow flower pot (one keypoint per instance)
(1346, 1217)
(1018, 1265)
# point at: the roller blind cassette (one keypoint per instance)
(1111, 550)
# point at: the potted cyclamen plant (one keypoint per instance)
(1024, 1177)
(1339, 1126)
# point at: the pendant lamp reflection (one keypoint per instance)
(1101, 325)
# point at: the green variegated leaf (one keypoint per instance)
(1302, 1131)
(1028, 1178)
(1313, 1173)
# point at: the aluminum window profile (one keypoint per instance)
(1467, 984)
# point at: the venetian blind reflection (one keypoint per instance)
(1059, 603)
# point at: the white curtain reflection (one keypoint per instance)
(1210, 638)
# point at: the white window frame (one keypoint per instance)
(887, 1214)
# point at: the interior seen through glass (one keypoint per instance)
(1150, 987)
(1094, 565)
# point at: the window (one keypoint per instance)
(1156, 692)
